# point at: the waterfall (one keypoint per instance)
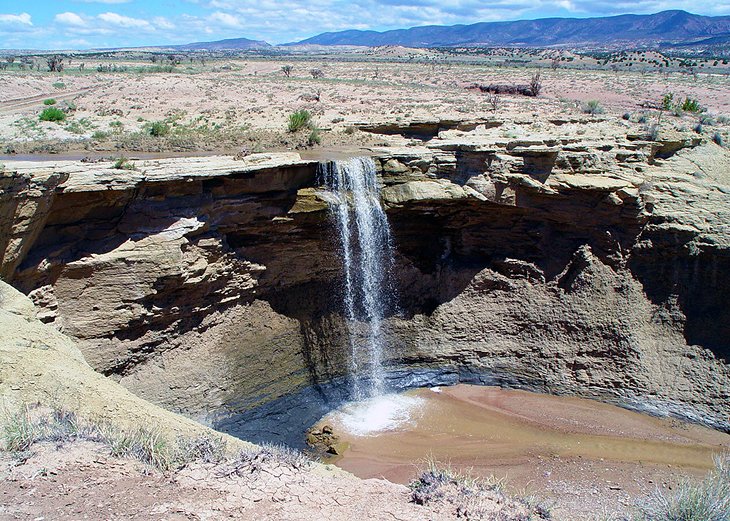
(367, 258)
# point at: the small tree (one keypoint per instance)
(10, 59)
(494, 102)
(535, 84)
(286, 69)
(316, 73)
(55, 63)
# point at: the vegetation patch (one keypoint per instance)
(473, 498)
(266, 456)
(678, 108)
(79, 126)
(301, 119)
(708, 500)
(52, 114)
(22, 429)
(124, 164)
(593, 107)
(158, 129)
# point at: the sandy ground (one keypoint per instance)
(254, 95)
(586, 457)
(79, 480)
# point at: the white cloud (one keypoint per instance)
(16, 19)
(225, 19)
(163, 23)
(123, 21)
(69, 18)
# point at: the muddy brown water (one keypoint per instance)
(584, 454)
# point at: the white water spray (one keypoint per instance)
(367, 259)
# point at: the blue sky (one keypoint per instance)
(83, 24)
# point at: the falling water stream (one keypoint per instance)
(367, 259)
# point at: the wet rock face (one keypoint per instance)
(212, 286)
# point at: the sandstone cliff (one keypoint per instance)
(569, 263)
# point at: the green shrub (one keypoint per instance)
(100, 135)
(59, 85)
(49, 101)
(80, 126)
(19, 432)
(52, 114)
(159, 129)
(593, 107)
(668, 101)
(717, 138)
(299, 120)
(691, 105)
(124, 164)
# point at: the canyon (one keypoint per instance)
(590, 259)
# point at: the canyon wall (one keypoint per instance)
(596, 267)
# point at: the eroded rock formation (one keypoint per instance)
(571, 265)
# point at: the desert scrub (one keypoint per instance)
(52, 114)
(147, 446)
(472, 498)
(691, 105)
(81, 126)
(668, 101)
(158, 129)
(202, 448)
(261, 457)
(49, 101)
(27, 426)
(299, 120)
(124, 164)
(315, 138)
(717, 138)
(593, 107)
(19, 432)
(708, 500)
(23, 428)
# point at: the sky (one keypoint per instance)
(85, 24)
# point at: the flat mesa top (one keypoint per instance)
(93, 176)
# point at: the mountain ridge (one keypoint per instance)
(672, 26)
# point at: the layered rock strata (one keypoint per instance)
(567, 264)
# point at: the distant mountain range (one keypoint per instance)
(670, 27)
(224, 45)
